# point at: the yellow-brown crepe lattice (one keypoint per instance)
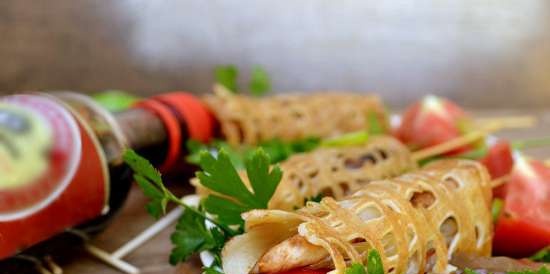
(248, 120)
(416, 221)
(340, 171)
(335, 172)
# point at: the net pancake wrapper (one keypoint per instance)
(250, 120)
(335, 172)
(416, 221)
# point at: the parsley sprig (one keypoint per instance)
(277, 150)
(374, 265)
(227, 76)
(542, 256)
(221, 210)
(218, 174)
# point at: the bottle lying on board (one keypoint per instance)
(61, 170)
(62, 177)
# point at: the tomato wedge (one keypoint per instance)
(499, 162)
(430, 122)
(524, 226)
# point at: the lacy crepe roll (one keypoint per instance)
(249, 120)
(416, 221)
(335, 172)
(340, 171)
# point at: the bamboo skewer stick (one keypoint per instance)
(522, 121)
(500, 180)
(115, 259)
(109, 259)
(453, 144)
(148, 234)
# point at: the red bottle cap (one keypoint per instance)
(172, 129)
(199, 120)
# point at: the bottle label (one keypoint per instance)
(40, 151)
(52, 172)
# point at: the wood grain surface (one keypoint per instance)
(153, 256)
(481, 54)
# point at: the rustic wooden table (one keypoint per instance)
(153, 256)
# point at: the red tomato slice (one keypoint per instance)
(519, 238)
(499, 162)
(524, 227)
(430, 122)
(305, 271)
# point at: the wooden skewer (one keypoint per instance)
(114, 259)
(109, 259)
(500, 180)
(52, 265)
(148, 234)
(524, 121)
(454, 143)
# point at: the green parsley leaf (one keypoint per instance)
(496, 208)
(276, 149)
(227, 211)
(192, 236)
(157, 205)
(469, 271)
(211, 270)
(219, 175)
(259, 81)
(263, 181)
(194, 149)
(142, 166)
(375, 128)
(279, 150)
(542, 256)
(236, 155)
(374, 263)
(356, 268)
(227, 76)
(348, 139)
(150, 182)
(542, 270)
(115, 100)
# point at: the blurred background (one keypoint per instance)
(480, 53)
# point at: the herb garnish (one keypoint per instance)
(219, 174)
(374, 265)
(192, 233)
(542, 270)
(496, 208)
(227, 77)
(542, 256)
(276, 149)
(259, 79)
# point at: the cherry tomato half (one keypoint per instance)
(430, 122)
(524, 225)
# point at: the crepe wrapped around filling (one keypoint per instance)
(335, 172)
(416, 221)
(249, 120)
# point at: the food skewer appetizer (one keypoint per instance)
(249, 120)
(340, 171)
(412, 220)
(437, 150)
